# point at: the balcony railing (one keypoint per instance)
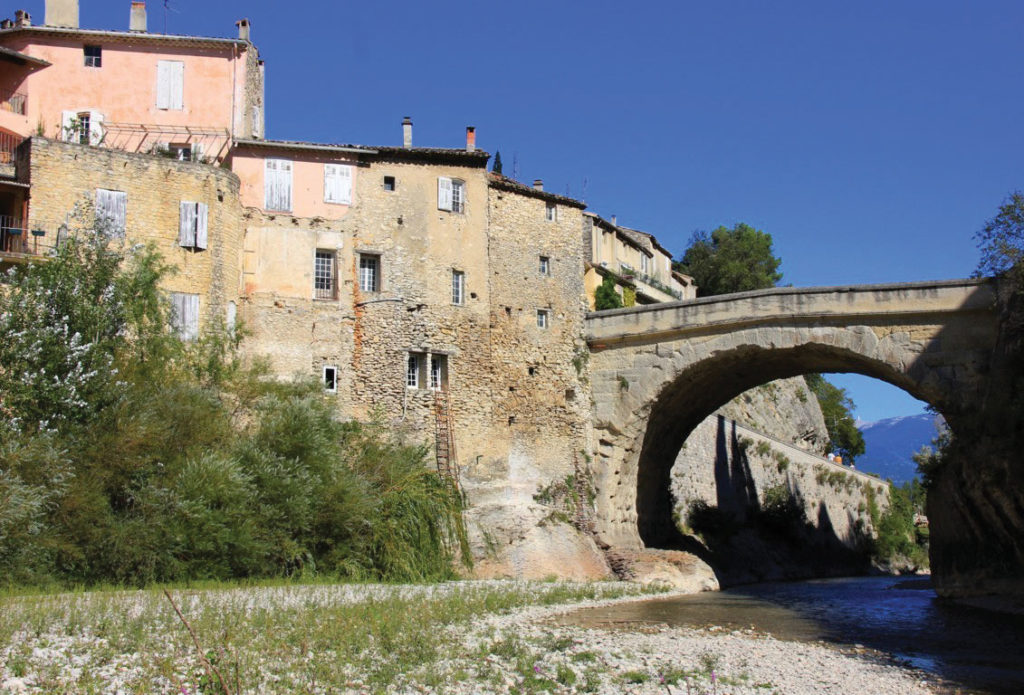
(8, 144)
(14, 102)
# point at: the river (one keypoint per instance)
(971, 650)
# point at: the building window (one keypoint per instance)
(458, 287)
(550, 212)
(545, 265)
(438, 372)
(412, 371)
(192, 225)
(93, 56)
(277, 185)
(330, 379)
(369, 273)
(389, 183)
(185, 315)
(451, 194)
(170, 85)
(542, 318)
(82, 127)
(338, 184)
(111, 212)
(643, 264)
(324, 285)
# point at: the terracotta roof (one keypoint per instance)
(14, 56)
(130, 36)
(476, 158)
(507, 184)
(306, 146)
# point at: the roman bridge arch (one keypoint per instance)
(657, 371)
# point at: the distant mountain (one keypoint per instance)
(890, 444)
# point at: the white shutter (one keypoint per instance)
(187, 224)
(185, 314)
(338, 183)
(67, 126)
(112, 211)
(202, 211)
(177, 85)
(95, 128)
(170, 85)
(232, 317)
(444, 193)
(163, 84)
(197, 152)
(278, 185)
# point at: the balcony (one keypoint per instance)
(8, 146)
(18, 244)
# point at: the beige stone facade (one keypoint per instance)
(64, 179)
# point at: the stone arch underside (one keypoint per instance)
(652, 395)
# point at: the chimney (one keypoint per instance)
(538, 184)
(470, 138)
(6, 24)
(61, 13)
(137, 22)
(243, 29)
(22, 19)
(407, 132)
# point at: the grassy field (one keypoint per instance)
(286, 638)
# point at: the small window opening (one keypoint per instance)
(511, 420)
(458, 287)
(508, 311)
(93, 56)
(531, 370)
(542, 319)
(412, 371)
(570, 394)
(389, 183)
(550, 212)
(331, 379)
(544, 265)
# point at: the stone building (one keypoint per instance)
(640, 267)
(420, 288)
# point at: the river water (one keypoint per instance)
(970, 649)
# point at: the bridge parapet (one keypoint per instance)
(792, 305)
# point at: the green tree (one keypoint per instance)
(1001, 240)
(837, 409)
(605, 297)
(731, 260)
(497, 162)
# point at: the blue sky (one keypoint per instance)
(869, 139)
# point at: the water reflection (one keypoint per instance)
(980, 650)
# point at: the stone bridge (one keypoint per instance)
(657, 371)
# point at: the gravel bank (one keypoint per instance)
(131, 642)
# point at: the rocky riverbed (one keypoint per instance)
(462, 637)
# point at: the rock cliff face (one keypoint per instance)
(756, 499)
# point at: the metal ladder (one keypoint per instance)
(444, 439)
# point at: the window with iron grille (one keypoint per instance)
(93, 56)
(369, 273)
(458, 287)
(324, 285)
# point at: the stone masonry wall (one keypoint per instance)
(64, 178)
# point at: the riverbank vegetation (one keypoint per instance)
(130, 456)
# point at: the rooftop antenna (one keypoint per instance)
(583, 195)
(168, 8)
(515, 165)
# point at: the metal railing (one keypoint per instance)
(14, 102)
(8, 144)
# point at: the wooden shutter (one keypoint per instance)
(112, 211)
(337, 183)
(278, 185)
(187, 224)
(95, 128)
(232, 318)
(202, 212)
(170, 85)
(185, 317)
(67, 126)
(163, 84)
(444, 193)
